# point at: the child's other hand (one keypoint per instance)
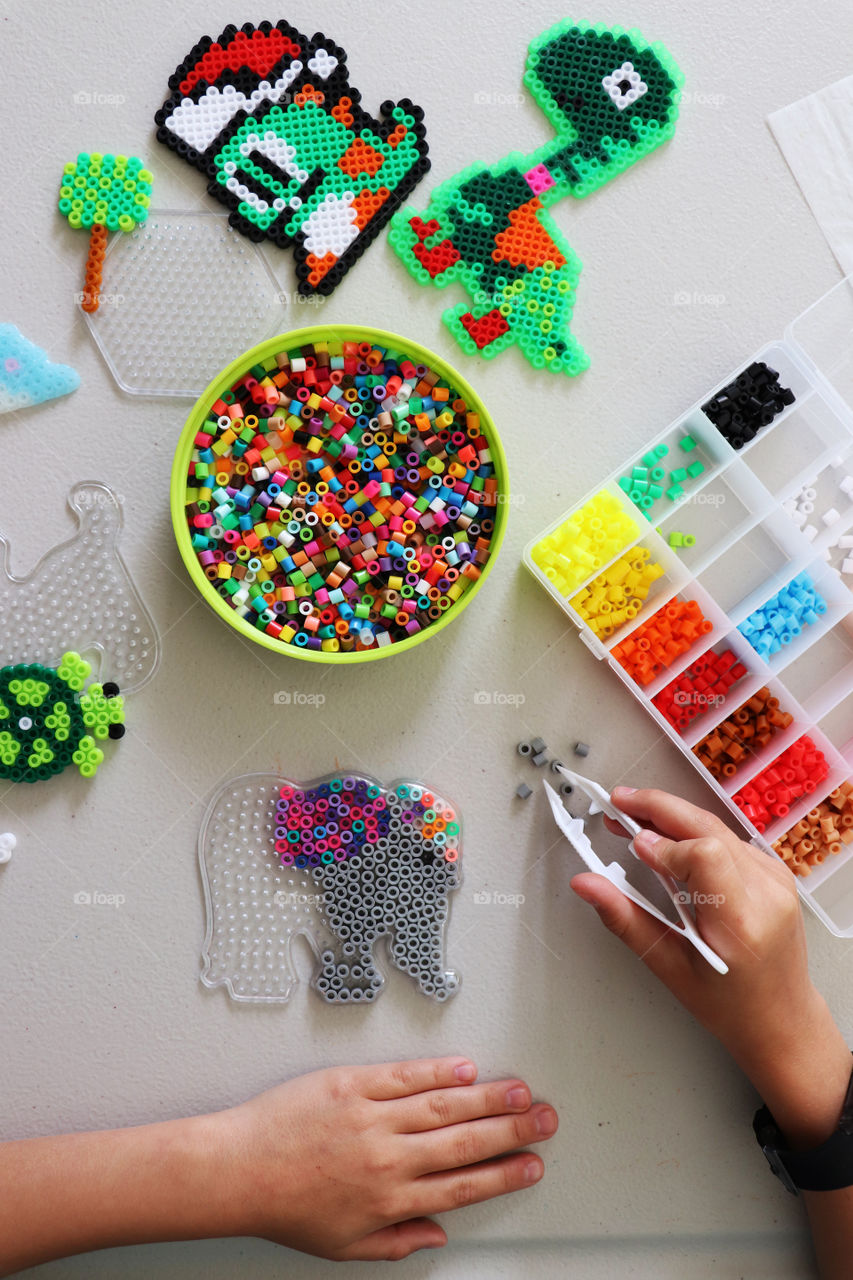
(765, 1010)
(348, 1163)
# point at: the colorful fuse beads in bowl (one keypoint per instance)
(342, 498)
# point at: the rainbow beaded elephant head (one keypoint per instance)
(611, 98)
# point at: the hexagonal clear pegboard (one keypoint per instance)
(393, 891)
(181, 296)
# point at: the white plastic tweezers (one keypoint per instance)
(573, 830)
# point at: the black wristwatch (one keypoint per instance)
(824, 1168)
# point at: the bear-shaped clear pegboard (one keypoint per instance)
(80, 597)
(345, 861)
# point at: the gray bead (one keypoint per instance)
(523, 791)
(581, 749)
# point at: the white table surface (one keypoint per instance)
(654, 1171)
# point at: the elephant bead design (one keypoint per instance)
(343, 862)
(611, 98)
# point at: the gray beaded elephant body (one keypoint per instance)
(392, 880)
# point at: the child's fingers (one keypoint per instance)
(459, 1145)
(401, 1079)
(441, 1107)
(670, 814)
(439, 1192)
(618, 830)
(659, 947)
(390, 1244)
(708, 866)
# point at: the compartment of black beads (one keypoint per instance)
(755, 398)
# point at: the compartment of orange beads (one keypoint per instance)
(742, 734)
(823, 831)
(657, 643)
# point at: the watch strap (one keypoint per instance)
(828, 1167)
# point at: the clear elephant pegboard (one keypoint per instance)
(344, 861)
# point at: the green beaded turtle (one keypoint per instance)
(49, 720)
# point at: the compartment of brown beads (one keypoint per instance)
(741, 737)
(821, 833)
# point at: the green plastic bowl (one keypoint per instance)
(225, 379)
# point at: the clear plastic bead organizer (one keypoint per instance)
(779, 507)
(183, 292)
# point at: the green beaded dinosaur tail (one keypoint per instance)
(612, 98)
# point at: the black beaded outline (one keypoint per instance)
(337, 86)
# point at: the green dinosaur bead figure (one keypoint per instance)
(49, 719)
(612, 98)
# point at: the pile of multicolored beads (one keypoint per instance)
(341, 496)
(345, 817)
